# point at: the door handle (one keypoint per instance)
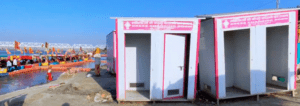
(180, 67)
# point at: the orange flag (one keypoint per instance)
(7, 51)
(30, 50)
(25, 50)
(53, 49)
(58, 51)
(17, 45)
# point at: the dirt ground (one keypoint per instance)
(79, 90)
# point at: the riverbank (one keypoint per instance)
(78, 90)
(62, 90)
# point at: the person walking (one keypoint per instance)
(15, 63)
(49, 74)
(97, 57)
(8, 65)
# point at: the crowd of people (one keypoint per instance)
(14, 63)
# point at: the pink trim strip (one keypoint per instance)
(125, 63)
(295, 83)
(216, 60)
(117, 59)
(163, 87)
(197, 58)
(254, 14)
(173, 97)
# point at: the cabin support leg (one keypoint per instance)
(293, 93)
(257, 98)
(218, 102)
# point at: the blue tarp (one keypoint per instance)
(3, 74)
(54, 63)
(21, 67)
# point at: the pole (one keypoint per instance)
(277, 3)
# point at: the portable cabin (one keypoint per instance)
(111, 52)
(156, 58)
(248, 53)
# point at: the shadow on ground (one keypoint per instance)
(14, 101)
(106, 81)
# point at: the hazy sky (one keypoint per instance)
(88, 21)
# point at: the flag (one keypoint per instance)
(53, 49)
(7, 51)
(25, 50)
(17, 45)
(58, 51)
(30, 50)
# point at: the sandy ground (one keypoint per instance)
(79, 90)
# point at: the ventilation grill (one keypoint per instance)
(173, 92)
(136, 84)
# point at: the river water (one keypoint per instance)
(13, 83)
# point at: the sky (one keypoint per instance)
(88, 21)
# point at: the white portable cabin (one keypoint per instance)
(156, 58)
(248, 53)
(111, 52)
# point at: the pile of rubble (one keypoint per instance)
(102, 97)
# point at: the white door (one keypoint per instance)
(174, 66)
